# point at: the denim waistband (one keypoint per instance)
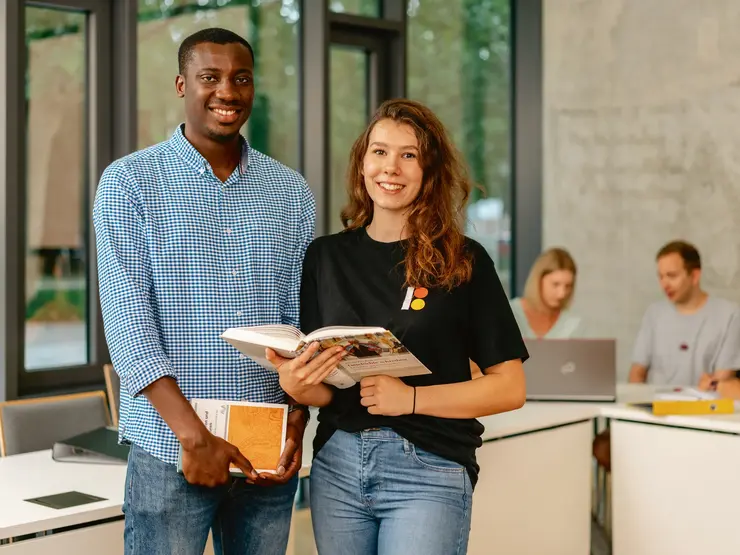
(379, 433)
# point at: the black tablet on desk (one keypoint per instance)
(65, 500)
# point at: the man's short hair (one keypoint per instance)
(214, 35)
(687, 251)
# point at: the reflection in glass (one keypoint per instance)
(370, 8)
(459, 65)
(272, 30)
(348, 116)
(56, 173)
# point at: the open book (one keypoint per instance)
(370, 351)
(257, 429)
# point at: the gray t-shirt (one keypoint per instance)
(676, 348)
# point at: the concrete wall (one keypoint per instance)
(642, 145)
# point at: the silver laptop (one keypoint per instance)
(571, 369)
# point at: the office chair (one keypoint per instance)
(36, 424)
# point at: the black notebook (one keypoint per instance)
(98, 446)
(65, 500)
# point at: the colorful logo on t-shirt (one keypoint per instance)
(415, 298)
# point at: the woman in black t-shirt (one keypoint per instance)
(394, 459)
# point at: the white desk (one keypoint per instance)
(36, 474)
(534, 490)
(675, 484)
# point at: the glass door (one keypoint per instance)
(348, 115)
(359, 81)
(66, 130)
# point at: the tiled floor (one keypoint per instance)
(301, 543)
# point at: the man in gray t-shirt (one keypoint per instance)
(683, 337)
(690, 333)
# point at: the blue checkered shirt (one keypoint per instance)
(181, 258)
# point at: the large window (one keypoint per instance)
(459, 65)
(69, 105)
(271, 26)
(56, 181)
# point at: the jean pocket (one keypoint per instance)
(434, 462)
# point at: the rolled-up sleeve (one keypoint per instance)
(126, 283)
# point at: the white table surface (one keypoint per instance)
(36, 474)
(636, 393)
(534, 416)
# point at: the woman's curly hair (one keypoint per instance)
(435, 251)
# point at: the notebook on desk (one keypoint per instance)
(97, 446)
(571, 369)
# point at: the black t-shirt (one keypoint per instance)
(350, 279)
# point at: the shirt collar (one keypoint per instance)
(195, 159)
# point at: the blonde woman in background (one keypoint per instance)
(542, 312)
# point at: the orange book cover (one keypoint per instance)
(257, 429)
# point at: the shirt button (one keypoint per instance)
(242, 356)
(234, 273)
(228, 231)
(239, 313)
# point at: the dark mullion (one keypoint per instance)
(12, 197)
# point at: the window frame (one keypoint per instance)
(113, 122)
(108, 135)
(526, 139)
(384, 38)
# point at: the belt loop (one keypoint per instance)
(406, 446)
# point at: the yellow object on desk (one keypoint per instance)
(689, 401)
(699, 406)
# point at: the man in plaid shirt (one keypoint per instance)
(195, 235)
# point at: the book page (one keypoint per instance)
(275, 337)
(276, 330)
(335, 331)
(401, 366)
(684, 394)
(374, 353)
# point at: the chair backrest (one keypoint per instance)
(36, 424)
(113, 387)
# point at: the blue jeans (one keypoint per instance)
(165, 515)
(375, 492)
